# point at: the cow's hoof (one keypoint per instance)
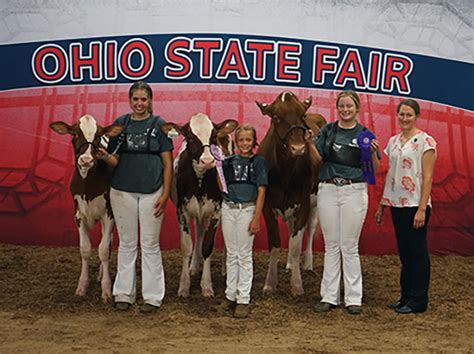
(297, 291)
(268, 290)
(183, 293)
(81, 292)
(208, 292)
(106, 298)
(307, 265)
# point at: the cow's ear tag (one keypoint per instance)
(173, 134)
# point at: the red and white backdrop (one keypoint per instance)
(58, 62)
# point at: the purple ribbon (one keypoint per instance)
(217, 153)
(363, 140)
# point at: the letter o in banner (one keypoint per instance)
(49, 63)
(131, 48)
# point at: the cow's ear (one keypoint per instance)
(314, 121)
(307, 102)
(226, 127)
(264, 108)
(62, 128)
(113, 130)
(167, 127)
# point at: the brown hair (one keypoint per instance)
(142, 85)
(246, 127)
(351, 94)
(410, 103)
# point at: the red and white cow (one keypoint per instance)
(90, 186)
(197, 195)
(292, 183)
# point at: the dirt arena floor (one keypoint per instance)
(40, 313)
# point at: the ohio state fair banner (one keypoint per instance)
(236, 59)
(61, 60)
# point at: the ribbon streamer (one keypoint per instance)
(363, 140)
(217, 153)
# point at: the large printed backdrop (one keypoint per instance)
(36, 165)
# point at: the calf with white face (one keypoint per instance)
(197, 195)
(90, 187)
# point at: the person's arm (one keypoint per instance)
(375, 151)
(160, 204)
(111, 160)
(427, 170)
(254, 226)
(314, 155)
(219, 182)
(380, 210)
(374, 147)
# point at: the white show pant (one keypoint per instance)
(239, 245)
(130, 211)
(342, 212)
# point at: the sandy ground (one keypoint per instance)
(40, 312)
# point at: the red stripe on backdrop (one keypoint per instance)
(36, 164)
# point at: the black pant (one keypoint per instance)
(413, 250)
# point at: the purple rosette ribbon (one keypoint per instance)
(217, 153)
(363, 140)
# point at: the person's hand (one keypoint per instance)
(379, 214)
(419, 219)
(102, 154)
(308, 136)
(160, 205)
(254, 226)
(374, 145)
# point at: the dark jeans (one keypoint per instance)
(413, 250)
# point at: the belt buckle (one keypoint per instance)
(340, 181)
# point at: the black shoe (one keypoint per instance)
(354, 309)
(407, 309)
(396, 305)
(148, 308)
(321, 307)
(228, 305)
(122, 306)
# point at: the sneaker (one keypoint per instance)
(241, 311)
(321, 307)
(354, 309)
(122, 306)
(148, 308)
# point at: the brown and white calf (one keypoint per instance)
(90, 186)
(292, 183)
(196, 194)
